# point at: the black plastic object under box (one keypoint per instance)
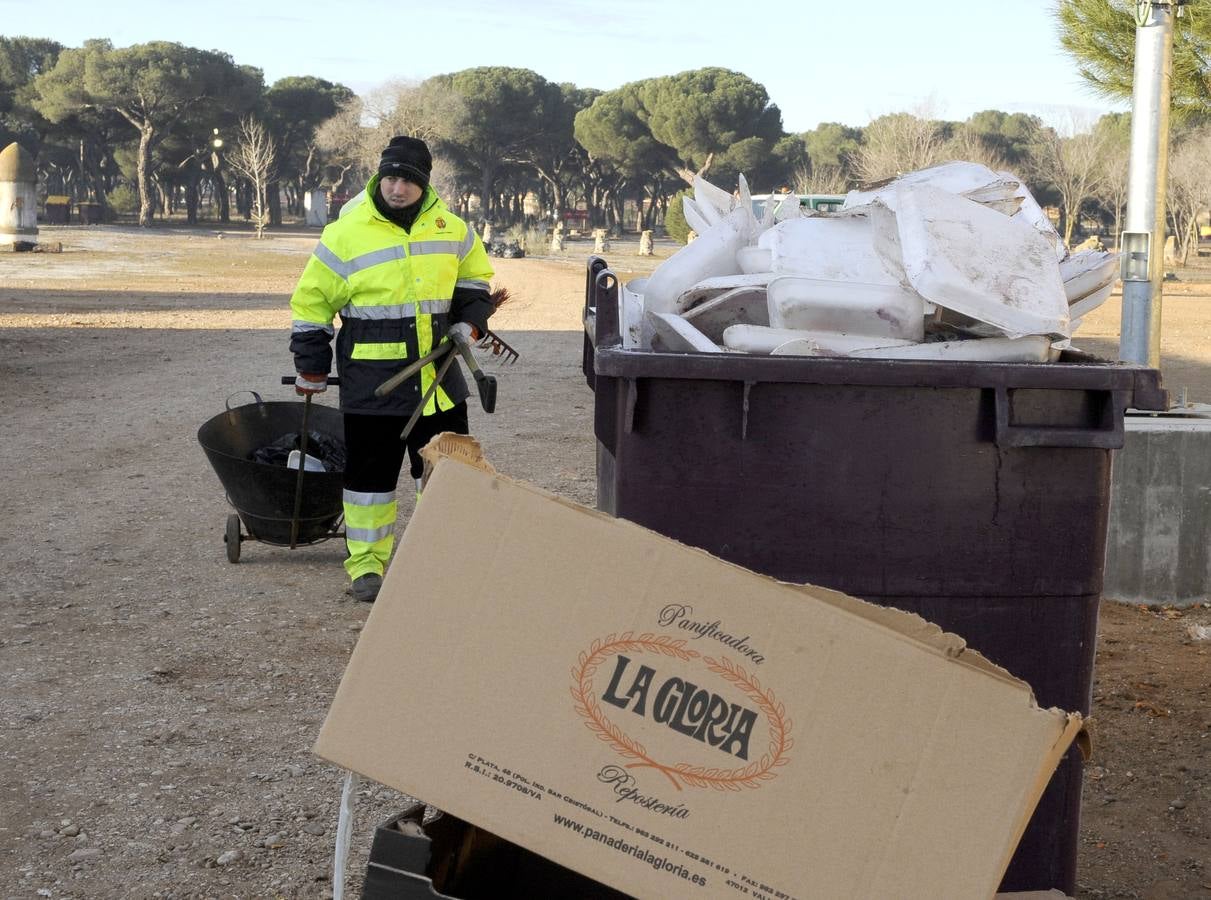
(973, 494)
(263, 494)
(450, 858)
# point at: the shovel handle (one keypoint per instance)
(408, 371)
(420, 409)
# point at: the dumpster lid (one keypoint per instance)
(655, 718)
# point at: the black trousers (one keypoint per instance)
(375, 454)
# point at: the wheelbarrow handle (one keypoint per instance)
(335, 380)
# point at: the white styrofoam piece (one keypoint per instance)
(739, 306)
(786, 208)
(831, 248)
(854, 307)
(758, 338)
(977, 262)
(693, 215)
(1087, 271)
(1032, 348)
(712, 255)
(709, 288)
(1004, 188)
(630, 313)
(1087, 304)
(833, 343)
(1033, 214)
(952, 177)
(712, 199)
(671, 332)
(1009, 207)
(753, 259)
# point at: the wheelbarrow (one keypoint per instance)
(274, 504)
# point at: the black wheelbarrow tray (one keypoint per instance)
(265, 496)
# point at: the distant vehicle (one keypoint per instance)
(815, 202)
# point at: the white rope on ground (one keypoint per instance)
(344, 835)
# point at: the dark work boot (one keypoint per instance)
(365, 587)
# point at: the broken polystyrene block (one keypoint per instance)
(739, 306)
(969, 259)
(883, 310)
(753, 259)
(713, 254)
(953, 177)
(833, 248)
(1087, 271)
(671, 332)
(712, 199)
(759, 339)
(630, 313)
(1010, 207)
(694, 217)
(1033, 214)
(1002, 190)
(709, 288)
(1087, 304)
(832, 343)
(1032, 348)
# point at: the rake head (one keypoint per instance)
(491, 341)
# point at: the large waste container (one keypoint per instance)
(973, 494)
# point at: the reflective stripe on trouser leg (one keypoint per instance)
(369, 531)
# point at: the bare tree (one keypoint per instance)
(899, 143)
(967, 145)
(1113, 192)
(342, 142)
(254, 159)
(428, 111)
(820, 180)
(1075, 165)
(1189, 188)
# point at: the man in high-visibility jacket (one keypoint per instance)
(402, 272)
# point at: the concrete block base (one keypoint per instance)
(1158, 543)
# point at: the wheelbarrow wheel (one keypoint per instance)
(232, 538)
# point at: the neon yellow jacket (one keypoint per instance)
(397, 292)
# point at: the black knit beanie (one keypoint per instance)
(407, 157)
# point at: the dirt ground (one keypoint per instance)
(158, 704)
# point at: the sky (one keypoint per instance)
(819, 60)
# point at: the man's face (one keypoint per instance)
(399, 192)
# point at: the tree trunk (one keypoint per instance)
(485, 193)
(221, 196)
(143, 173)
(1068, 221)
(273, 195)
(191, 199)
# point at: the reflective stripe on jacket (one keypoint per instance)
(395, 293)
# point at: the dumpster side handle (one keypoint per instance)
(1105, 434)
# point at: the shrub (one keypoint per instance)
(675, 225)
(532, 238)
(123, 200)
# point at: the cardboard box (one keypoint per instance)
(448, 858)
(672, 725)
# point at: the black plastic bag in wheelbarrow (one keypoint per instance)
(264, 495)
(327, 449)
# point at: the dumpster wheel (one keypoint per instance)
(232, 538)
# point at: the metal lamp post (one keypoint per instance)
(1143, 237)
